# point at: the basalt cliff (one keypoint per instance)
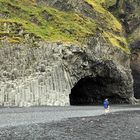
(128, 13)
(66, 52)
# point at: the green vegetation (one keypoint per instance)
(47, 23)
(110, 26)
(110, 22)
(117, 41)
(23, 17)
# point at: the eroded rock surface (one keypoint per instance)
(134, 37)
(135, 66)
(45, 75)
(132, 23)
(35, 72)
(128, 11)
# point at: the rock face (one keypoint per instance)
(33, 76)
(131, 20)
(46, 74)
(134, 37)
(35, 72)
(135, 66)
(128, 12)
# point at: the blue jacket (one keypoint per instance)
(106, 104)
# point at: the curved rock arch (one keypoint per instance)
(94, 88)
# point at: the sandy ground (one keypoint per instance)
(113, 126)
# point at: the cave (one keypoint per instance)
(136, 76)
(93, 91)
(135, 66)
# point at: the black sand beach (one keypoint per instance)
(113, 126)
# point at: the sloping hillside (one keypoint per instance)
(18, 18)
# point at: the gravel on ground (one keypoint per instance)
(112, 126)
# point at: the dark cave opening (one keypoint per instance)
(136, 76)
(93, 91)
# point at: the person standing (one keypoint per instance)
(106, 105)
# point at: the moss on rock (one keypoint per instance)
(63, 26)
(51, 24)
(111, 28)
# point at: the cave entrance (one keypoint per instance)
(92, 91)
(136, 77)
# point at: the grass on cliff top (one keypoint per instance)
(54, 25)
(47, 23)
(111, 27)
(108, 19)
